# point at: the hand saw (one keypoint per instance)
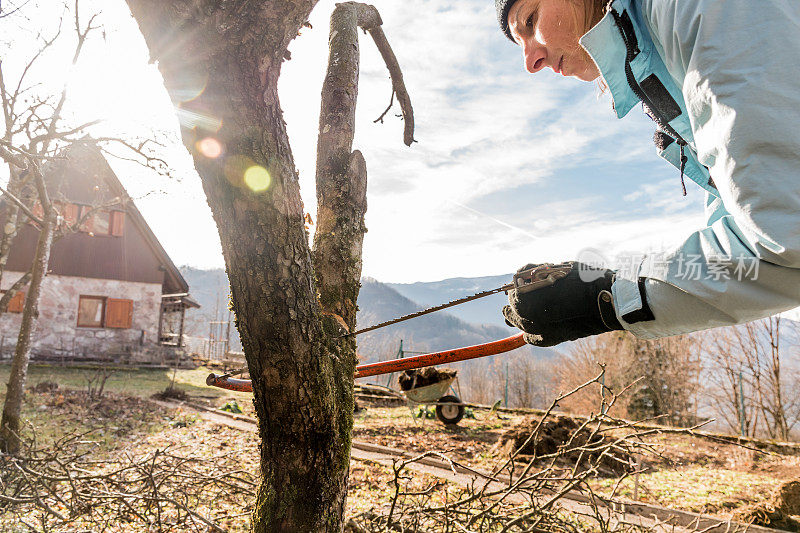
(524, 281)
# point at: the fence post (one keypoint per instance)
(505, 396)
(742, 418)
(400, 355)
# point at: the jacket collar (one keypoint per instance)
(607, 49)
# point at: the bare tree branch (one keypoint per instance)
(398, 85)
(38, 221)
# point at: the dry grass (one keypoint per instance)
(684, 472)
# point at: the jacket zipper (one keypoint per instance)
(641, 95)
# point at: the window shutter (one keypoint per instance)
(117, 223)
(17, 302)
(119, 313)
(71, 214)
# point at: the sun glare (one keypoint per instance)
(209, 147)
(257, 178)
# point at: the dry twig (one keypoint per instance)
(168, 489)
(524, 492)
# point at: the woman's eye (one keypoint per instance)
(530, 20)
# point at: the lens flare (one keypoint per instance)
(241, 171)
(235, 166)
(189, 87)
(209, 147)
(257, 178)
(190, 119)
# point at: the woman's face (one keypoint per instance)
(548, 31)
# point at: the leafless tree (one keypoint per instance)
(580, 364)
(33, 136)
(292, 303)
(531, 381)
(478, 387)
(751, 386)
(667, 371)
(36, 139)
(670, 371)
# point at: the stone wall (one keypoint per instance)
(57, 333)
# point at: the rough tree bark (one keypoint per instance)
(301, 367)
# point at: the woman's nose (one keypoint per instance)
(534, 55)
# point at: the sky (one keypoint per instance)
(508, 168)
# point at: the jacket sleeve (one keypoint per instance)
(737, 62)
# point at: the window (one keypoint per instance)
(70, 213)
(102, 312)
(17, 302)
(87, 226)
(102, 222)
(90, 311)
(119, 313)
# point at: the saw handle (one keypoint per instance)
(540, 276)
(398, 365)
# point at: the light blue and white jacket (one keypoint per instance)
(722, 77)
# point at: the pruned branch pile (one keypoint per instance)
(49, 487)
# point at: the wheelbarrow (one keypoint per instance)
(449, 409)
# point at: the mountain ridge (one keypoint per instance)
(487, 310)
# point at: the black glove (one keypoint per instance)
(577, 305)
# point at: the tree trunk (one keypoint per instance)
(302, 373)
(10, 423)
(221, 63)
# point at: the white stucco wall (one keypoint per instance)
(57, 332)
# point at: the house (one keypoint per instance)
(111, 291)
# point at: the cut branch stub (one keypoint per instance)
(341, 172)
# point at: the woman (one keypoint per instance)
(721, 79)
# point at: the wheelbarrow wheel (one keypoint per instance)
(449, 414)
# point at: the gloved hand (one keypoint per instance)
(577, 305)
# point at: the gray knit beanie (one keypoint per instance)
(503, 7)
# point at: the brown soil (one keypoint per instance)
(424, 376)
(562, 435)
